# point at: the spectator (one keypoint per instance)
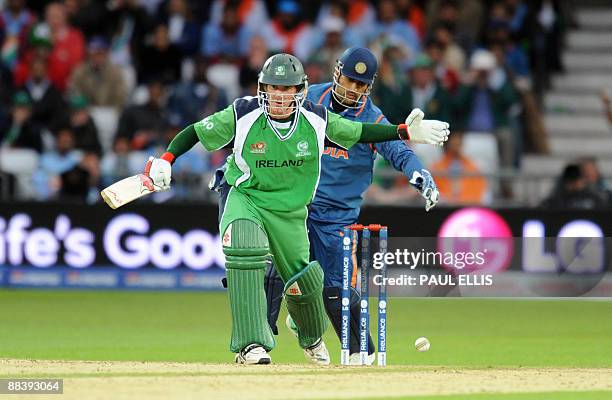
(82, 125)
(161, 59)
(512, 60)
(448, 77)
(192, 101)
(68, 45)
(128, 24)
(101, 82)
(252, 14)
(453, 56)
(519, 19)
(316, 71)
(80, 184)
(39, 47)
(484, 103)
(595, 181)
(257, 56)
(499, 35)
(15, 23)
(288, 32)
(336, 15)
(48, 105)
(20, 131)
(547, 43)
(396, 31)
(359, 15)
(88, 16)
(332, 46)
(573, 192)
(226, 41)
(183, 30)
(144, 124)
(457, 176)
(391, 89)
(64, 157)
(119, 163)
(414, 15)
(426, 92)
(465, 17)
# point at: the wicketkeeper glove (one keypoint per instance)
(424, 183)
(418, 130)
(160, 170)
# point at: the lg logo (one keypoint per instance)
(578, 248)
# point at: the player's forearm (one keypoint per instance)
(181, 143)
(374, 133)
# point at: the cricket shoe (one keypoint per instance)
(355, 359)
(317, 353)
(253, 354)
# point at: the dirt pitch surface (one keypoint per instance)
(158, 380)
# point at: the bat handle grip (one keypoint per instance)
(148, 165)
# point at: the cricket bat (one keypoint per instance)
(127, 190)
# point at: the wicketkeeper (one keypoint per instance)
(278, 139)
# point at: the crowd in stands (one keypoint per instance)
(89, 89)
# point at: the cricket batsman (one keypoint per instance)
(278, 139)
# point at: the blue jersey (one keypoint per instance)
(346, 174)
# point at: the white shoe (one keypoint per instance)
(317, 353)
(355, 359)
(253, 354)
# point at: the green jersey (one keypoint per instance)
(276, 164)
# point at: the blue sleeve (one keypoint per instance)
(399, 155)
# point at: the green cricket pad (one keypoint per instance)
(247, 251)
(303, 293)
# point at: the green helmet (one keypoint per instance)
(282, 70)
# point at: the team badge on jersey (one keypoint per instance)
(302, 148)
(258, 148)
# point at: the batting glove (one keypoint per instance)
(426, 131)
(160, 171)
(424, 183)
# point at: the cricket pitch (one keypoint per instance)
(162, 380)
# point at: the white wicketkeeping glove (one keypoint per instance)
(425, 184)
(160, 172)
(429, 131)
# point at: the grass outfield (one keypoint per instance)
(194, 327)
(503, 337)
